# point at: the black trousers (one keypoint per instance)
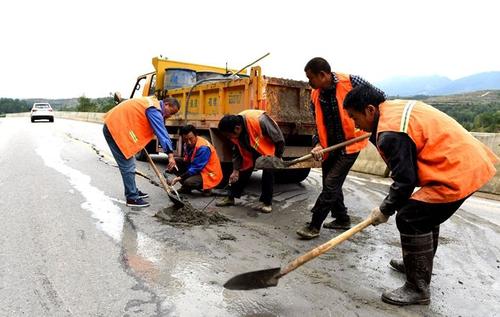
(335, 169)
(417, 217)
(267, 185)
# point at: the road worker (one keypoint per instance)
(423, 147)
(199, 168)
(253, 134)
(128, 128)
(333, 126)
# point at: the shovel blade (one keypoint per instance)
(269, 162)
(177, 202)
(254, 280)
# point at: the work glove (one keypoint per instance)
(378, 217)
(316, 152)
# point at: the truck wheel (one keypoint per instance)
(291, 176)
(141, 156)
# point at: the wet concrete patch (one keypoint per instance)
(190, 216)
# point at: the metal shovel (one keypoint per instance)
(270, 277)
(270, 162)
(176, 199)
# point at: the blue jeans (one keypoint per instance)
(126, 166)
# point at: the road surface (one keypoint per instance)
(70, 247)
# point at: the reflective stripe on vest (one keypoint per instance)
(405, 117)
(343, 86)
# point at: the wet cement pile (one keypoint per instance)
(188, 215)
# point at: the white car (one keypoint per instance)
(42, 110)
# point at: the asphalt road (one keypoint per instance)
(70, 247)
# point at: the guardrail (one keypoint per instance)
(368, 162)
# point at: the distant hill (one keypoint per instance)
(439, 85)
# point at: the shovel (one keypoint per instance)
(176, 199)
(270, 162)
(270, 277)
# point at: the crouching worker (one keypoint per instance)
(128, 128)
(200, 167)
(423, 147)
(253, 133)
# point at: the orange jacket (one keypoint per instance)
(259, 142)
(129, 125)
(211, 174)
(451, 163)
(342, 88)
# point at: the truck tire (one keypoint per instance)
(291, 176)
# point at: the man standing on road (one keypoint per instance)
(253, 133)
(128, 128)
(200, 167)
(423, 147)
(333, 126)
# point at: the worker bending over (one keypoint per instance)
(128, 128)
(253, 133)
(423, 147)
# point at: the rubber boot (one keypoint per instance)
(418, 254)
(399, 266)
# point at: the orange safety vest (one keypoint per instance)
(343, 86)
(211, 174)
(259, 142)
(129, 125)
(451, 163)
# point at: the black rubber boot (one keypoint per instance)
(399, 266)
(418, 253)
(343, 224)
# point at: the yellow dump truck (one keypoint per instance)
(206, 93)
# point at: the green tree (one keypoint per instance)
(105, 104)
(8, 105)
(86, 105)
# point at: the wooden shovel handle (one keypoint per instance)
(324, 247)
(329, 149)
(157, 172)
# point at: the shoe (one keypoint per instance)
(335, 224)
(143, 195)
(184, 190)
(308, 233)
(137, 203)
(260, 206)
(226, 201)
(266, 209)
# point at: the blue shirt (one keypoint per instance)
(156, 121)
(199, 161)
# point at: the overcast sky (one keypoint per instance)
(64, 49)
